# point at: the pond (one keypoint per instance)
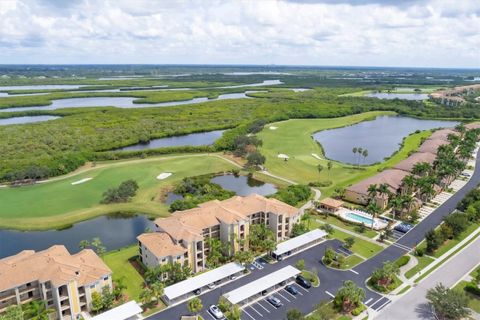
(381, 137)
(121, 102)
(193, 139)
(115, 233)
(22, 120)
(404, 96)
(241, 185)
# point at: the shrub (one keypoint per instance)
(419, 252)
(473, 288)
(402, 261)
(321, 184)
(125, 191)
(293, 194)
(358, 310)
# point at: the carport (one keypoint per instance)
(254, 289)
(299, 243)
(184, 289)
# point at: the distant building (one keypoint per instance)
(63, 281)
(182, 237)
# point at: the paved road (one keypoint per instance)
(413, 305)
(331, 280)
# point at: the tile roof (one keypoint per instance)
(414, 158)
(392, 177)
(54, 264)
(161, 244)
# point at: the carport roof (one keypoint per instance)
(125, 311)
(179, 289)
(259, 285)
(299, 241)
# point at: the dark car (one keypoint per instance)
(274, 301)
(403, 227)
(304, 282)
(291, 289)
(197, 292)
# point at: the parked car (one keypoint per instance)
(197, 292)
(303, 282)
(211, 286)
(216, 312)
(291, 289)
(233, 277)
(403, 227)
(274, 301)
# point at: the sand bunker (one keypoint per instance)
(316, 156)
(81, 181)
(273, 128)
(283, 156)
(164, 175)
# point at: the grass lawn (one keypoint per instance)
(118, 261)
(361, 247)
(422, 263)
(395, 284)
(404, 290)
(345, 225)
(312, 277)
(58, 203)
(474, 300)
(351, 262)
(449, 244)
(294, 138)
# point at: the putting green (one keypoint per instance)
(58, 203)
(294, 138)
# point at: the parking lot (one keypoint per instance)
(262, 308)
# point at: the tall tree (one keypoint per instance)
(195, 305)
(37, 310)
(448, 303)
(157, 290)
(349, 296)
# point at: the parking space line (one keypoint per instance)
(368, 301)
(248, 314)
(283, 296)
(291, 294)
(331, 295)
(371, 306)
(208, 312)
(261, 305)
(261, 315)
(351, 270)
(303, 289)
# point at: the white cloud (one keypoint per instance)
(415, 33)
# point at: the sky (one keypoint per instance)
(403, 33)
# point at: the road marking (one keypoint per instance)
(283, 296)
(368, 301)
(303, 289)
(248, 314)
(401, 246)
(383, 305)
(371, 306)
(208, 312)
(291, 294)
(351, 270)
(331, 295)
(251, 306)
(261, 305)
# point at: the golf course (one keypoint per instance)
(294, 139)
(58, 203)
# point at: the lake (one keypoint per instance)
(193, 139)
(404, 96)
(241, 185)
(381, 137)
(42, 87)
(121, 102)
(115, 232)
(22, 120)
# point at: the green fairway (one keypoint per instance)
(294, 138)
(58, 203)
(121, 268)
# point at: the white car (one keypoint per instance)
(216, 312)
(211, 286)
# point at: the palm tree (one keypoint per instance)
(365, 155)
(195, 305)
(409, 182)
(421, 168)
(372, 191)
(354, 150)
(37, 310)
(407, 202)
(359, 151)
(329, 167)
(350, 296)
(397, 204)
(373, 209)
(383, 189)
(157, 290)
(84, 244)
(146, 295)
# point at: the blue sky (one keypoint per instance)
(296, 32)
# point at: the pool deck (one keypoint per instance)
(378, 224)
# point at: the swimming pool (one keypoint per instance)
(358, 218)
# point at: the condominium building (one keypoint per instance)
(63, 281)
(183, 237)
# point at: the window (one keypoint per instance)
(105, 278)
(30, 294)
(92, 286)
